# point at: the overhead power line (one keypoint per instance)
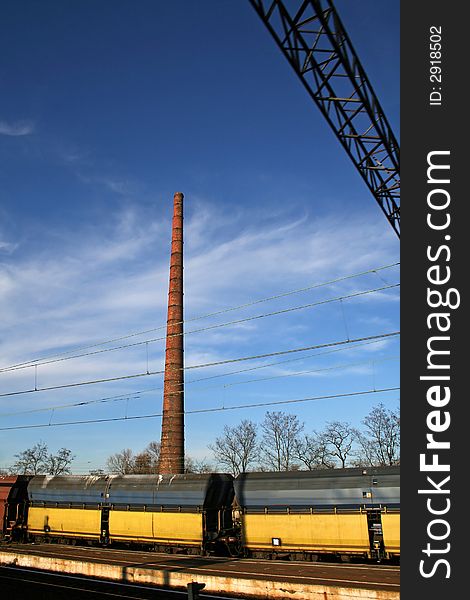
(309, 371)
(136, 395)
(203, 410)
(289, 360)
(33, 362)
(129, 396)
(208, 328)
(205, 365)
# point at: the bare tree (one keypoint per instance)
(143, 463)
(153, 450)
(339, 438)
(37, 461)
(380, 444)
(236, 449)
(121, 463)
(147, 461)
(59, 464)
(32, 461)
(197, 465)
(312, 452)
(280, 435)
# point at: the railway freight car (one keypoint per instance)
(304, 514)
(66, 507)
(178, 512)
(311, 514)
(13, 506)
(181, 512)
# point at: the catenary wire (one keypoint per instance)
(136, 395)
(208, 328)
(219, 375)
(213, 314)
(204, 410)
(205, 365)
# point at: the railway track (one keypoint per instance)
(129, 565)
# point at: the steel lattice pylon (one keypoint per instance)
(315, 43)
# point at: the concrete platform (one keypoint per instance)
(240, 577)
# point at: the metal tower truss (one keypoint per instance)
(314, 41)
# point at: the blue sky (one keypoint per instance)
(107, 109)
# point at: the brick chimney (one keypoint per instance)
(172, 441)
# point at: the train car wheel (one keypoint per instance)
(312, 557)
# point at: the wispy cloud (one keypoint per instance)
(109, 278)
(7, 247)
(104, 283)
(17, 128)
(117, 185)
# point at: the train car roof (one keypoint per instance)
(68, 488)
(320, 473)
(345, 488)
(189, 489)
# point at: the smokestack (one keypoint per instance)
(172, 441)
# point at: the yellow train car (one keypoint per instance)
(312, 514)
(65, 507)
(181, 511)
